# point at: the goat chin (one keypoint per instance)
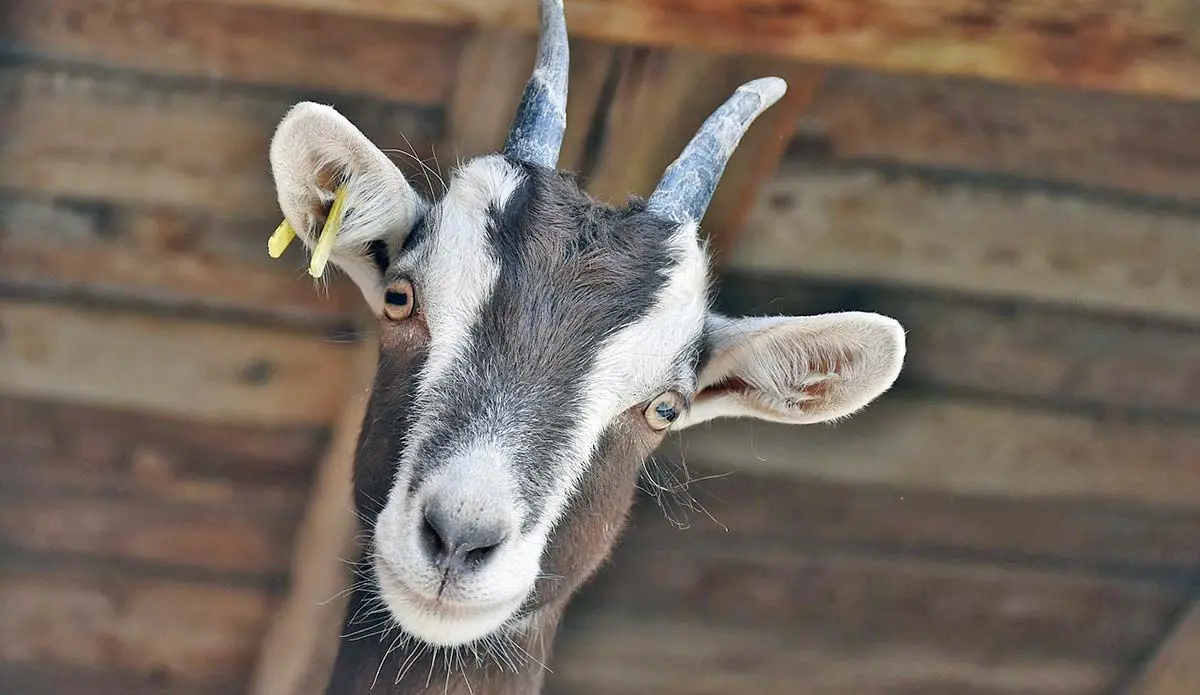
(442, 624)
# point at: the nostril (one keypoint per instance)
(432, 539)
(474, 557)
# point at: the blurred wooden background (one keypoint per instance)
(1018, 183)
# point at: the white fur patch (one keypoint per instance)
(457, 269)
(637, 363)
(456, 275)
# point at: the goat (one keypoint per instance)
(535, 347)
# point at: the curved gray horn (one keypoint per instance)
(537, 129)
(687, 186)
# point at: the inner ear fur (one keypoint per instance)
(315, 150)
(797, 369)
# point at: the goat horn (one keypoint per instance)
(687, 185)
(541, 119)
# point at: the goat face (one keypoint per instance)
(536, 346)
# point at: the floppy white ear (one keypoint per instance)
(796, 369)
(315, 152)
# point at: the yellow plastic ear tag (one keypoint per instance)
(333, 224)
(279, 241)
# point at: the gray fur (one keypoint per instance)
(572, 271)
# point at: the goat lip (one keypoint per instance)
(436, 604)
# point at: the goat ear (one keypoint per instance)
(315, 153)
(796, 370)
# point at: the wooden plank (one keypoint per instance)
(191, 540)
(758, 155)
(49, 449)
(659, 100)
(1174, 670)
(604, 655)
(487, 89)
(968, 447)
(300, 647)
(168, 632)
(202, 370)
(249, 44)
(137, 141)
(1119, 142)
(708, 505)
(850, 601)
(19, 679)
(953, 235)
(1145, 46)
(594, 67)
(1099, 362)
(162, 257)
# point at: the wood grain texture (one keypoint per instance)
(659, 98)
(491, 77)
(94, 486)
(164, 258)
(49, 448)
(301, 643)
(201, 370)
(247, 543)
(1007, 349)
(841, 599)
(951, 235)
(24, 679)
(705, 615)
(125, 140)
(659, 101)
(306, 50)
(1125, 143)
(1143, 46)
(731, 505)
(167, 632)
(607, 655)
(760, 151)
(1174, 670)
(968, 447)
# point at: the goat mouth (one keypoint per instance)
(437, 603)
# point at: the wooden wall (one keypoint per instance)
(1018, 186)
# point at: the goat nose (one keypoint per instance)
(459, 545)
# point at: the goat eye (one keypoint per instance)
(398, 300)
(664, 410)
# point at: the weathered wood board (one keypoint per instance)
(158, 630)
(734, 505)
(969, 447)
(186, 498)
(206, 371)
(309, 51)
(112, 136)
(700, 621)
(141, 553)
(163, 258)
(1123, 143)
(953, 235)
(1142, 46)
(50, 448)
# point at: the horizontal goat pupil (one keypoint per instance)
(394, 297)
(665, 411)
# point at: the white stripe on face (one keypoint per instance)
(457, 268)
(637, 363)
